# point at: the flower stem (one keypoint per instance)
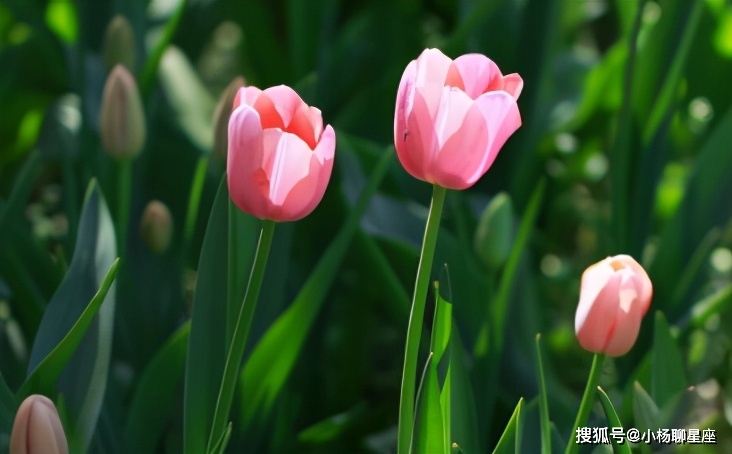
(416, 318)
(241, 333)
(588, 399)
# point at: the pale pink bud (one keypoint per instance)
(452, 117)
(280, 157)
(615, 295)
(37, 428)
(122, 118)
(156, 226)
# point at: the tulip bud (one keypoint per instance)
(156, 227)
(119, 44)
(615, 295)
(37, 428)
(494, 235)
(122, 119)
(221, 117)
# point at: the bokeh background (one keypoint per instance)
(626, 147)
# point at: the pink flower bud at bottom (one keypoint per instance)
(37, 428)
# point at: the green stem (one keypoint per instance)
(241, 332)
(416, 319)
(124, 192)
(588, 399)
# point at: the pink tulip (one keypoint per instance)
(615, 295)
(452, 117)
(280, 158)
(37, 428)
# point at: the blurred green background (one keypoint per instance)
(626, 145)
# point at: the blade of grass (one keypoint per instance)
(546, 435)
(613, 420)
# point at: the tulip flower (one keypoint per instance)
(452, 117)
(37, 428)
(615, 295)
(279, 155)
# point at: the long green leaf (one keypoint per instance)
(91, 273)
(429, 427)
(545, 424)
(153, 400)
(43, 377)
(207, 342)
(668, 375)
(274, 356)
(613, 421)
(510, 438)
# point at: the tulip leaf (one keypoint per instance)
(153, 400)
(331, 427)
(545, 424)
(703, 207)
(439, 345)
(463, 414)
(429, 425)
(509, 443)
(645, 410)
(713, 304)
(668, 375)
(613, 421)
(441, 325)
(207, 343)
(273, 358)
(72, 348)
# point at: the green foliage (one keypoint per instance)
(624, 149)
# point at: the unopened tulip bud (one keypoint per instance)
(156, 227)
(221, 117)
(494, 235)
(119, 44)
(122, 119)
(615, 295)
(37, 428)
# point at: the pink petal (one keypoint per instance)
(458, 163)
(270, 117)
(502, 117)
(286, 162)
(302, 126)
(325, 150)
(307, 194)
(246, 95)
(643, 281)
(417, 146)
(244, 158)
(286, 100)
(432, 68)
(453, 106)
(594, 331)
(404, 101)
(513, 84)
(478, 72)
